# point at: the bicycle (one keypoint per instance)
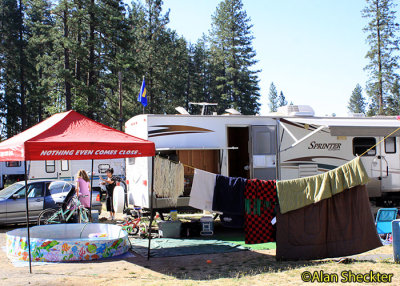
(52, 216)
(134, 225)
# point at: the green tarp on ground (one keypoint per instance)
(168, 247)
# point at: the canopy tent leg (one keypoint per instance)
(27, 217)
(151, 207)
(91, 191)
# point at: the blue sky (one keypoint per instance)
(313, 50)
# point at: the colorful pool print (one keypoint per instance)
(67, 242)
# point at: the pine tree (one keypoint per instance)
(233, 58)
(39, 25)
(282, 100)
(273, 98)
(383, 42)
(199, 84)
(13, 67)
(357, 102)
(393, 102)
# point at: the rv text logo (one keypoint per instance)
(327, 146)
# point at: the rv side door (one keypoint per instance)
(263, 152)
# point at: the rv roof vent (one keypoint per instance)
(356, 114)
(296, 110)
(182, 110)
(232, 111)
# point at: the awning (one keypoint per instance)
(352, 126)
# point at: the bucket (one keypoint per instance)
(396, 240)
(207, 225)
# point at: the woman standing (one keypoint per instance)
(110, 184)
(83, 188)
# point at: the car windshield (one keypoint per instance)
(5, 193)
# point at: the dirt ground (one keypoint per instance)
(238, 268)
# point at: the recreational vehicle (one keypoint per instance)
(11, 171)
(66, 170)
(290, 144)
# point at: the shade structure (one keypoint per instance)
(352, 126)
(72, 136)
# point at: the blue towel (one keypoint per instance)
(229, 195)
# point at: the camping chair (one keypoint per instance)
(383, 223)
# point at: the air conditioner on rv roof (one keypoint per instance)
(296, 110)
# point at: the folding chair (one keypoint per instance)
(383, 223)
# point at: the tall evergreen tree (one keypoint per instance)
(233, 58)
(199, 84)
(357, 102)
(383, 42)
(273, 98)
(13, 66)
(39, 25)
(282, 100)
(393, 102)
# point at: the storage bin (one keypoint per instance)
(171, 229)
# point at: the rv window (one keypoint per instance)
(103, 168)
(390, 145)
(50, 166)
(362, 144)
(64, 165)
(11, 164)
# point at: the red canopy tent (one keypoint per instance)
(71, 136)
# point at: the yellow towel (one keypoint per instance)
(298, 193)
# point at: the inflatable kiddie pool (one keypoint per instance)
(67, 242)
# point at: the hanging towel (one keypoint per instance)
(229, 195)
(202, 193)
(298, 193)
(169, 179)
(260, 201)
(339, 226)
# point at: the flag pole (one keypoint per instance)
(143, 105)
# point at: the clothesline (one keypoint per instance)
(188, 166)
(365, 152)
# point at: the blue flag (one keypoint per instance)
(143, 94)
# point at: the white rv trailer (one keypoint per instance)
(280, 146)
(13, 170)
(67, 169)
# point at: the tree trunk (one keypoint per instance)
(91, 78)
(79, 40)
(22, 69)
(380, 81)
(67, 83)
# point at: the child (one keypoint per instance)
(83, 188)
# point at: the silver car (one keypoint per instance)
(42, 194)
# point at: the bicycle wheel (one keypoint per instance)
(83, 215)
(49, 216)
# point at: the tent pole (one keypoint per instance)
(27, 216)
(91, 191)
(151, 206)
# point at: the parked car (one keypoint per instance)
(42, 194)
